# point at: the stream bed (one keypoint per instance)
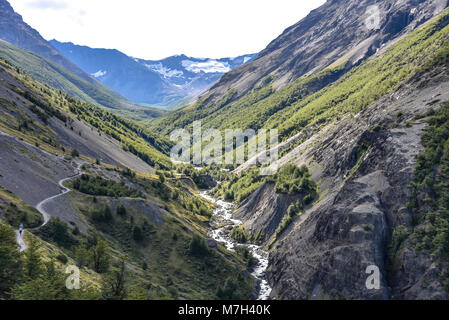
(223, 221)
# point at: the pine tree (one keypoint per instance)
(114, 284)
(100, 256)
(33, 262)
(10, 262)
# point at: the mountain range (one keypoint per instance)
(357, 209)
(159, 82)
(76, 82)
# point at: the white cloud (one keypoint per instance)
(155, 29)
(209, 66)
(47, 4)
(99, 73)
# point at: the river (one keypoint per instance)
(223, 220)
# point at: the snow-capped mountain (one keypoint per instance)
(166, 82)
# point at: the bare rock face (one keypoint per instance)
(325, 255)
(263, 210)
(339, 31)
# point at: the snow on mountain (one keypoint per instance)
(151, 82)
(209, 66)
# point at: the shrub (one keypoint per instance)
(198, 246)
(121, 210)
(101, 213)
(62, 258)
(98, 186)
(137, 234)
(75, 153)
(239, 234)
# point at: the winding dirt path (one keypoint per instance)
(40, 207)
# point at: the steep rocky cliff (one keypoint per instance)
(340, 29)
(325, 254)
(364, 162)
(340, 34)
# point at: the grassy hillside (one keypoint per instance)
(59, 78)
(46, 103)
(147, 230)
(315, 100)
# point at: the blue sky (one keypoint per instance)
(154, 29)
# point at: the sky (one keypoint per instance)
(155, 29)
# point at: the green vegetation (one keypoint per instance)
(289, 180)
(48, 103)
(58, 232)
(430, 203)
(252, 110)
(239, 187)
(10, 262)
(98, 186)
(293, 180)
(114, 284)
(198, 247)
(15, 212)
(313, 101)
(152, 219)
(150, 147)
(239, 234)
(232, 289)
(28, 277)
(92, 92)
(293, 212)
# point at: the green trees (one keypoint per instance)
(239, 234)
(430, 201)
(137, 234)
(289, 180)
(58, 231)
(232, 289)
(75, 153)
(100, 256)
(48, 284)
(101, 213)
(198, 246)
(98, 186)
(81, 256)
(114, 283)
(15, 214)
(39, 280)
(121, 210)
(33, 262)
(161, 177)
(293, 180)
(10, 262)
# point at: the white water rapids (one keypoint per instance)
(223, 220)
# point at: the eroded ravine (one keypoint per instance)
(223, 220)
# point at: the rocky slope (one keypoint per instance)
(91, 173)
(338, 30)
(335, 37)
(359, 134)
(325, 253)
(364, 163)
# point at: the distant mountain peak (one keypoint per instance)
(152, 82)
